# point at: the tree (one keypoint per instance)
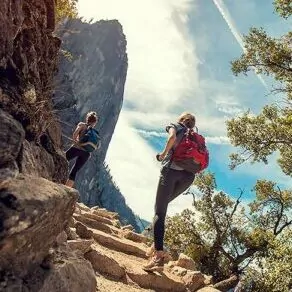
(66, 9)
(260, 135)
(221, 236)
(283, 7)
(273, 271)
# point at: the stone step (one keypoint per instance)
(105, 220)
(94, 224)
(163, 281)
(83, 231)
(134, 236)
(105, 264)
(119, 244)
(104, 213)
(132, 267)
(81, 206)
(107, 285)
(84, 245)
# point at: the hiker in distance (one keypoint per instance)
(184, 155)
(86, 139)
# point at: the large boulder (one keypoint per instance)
(69, 273)
(33, 211)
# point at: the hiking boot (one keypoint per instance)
(150, 251)
(156, 263)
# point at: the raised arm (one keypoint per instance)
(170, 142)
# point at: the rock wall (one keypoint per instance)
(92, 75)
(34, 208)
(28, 59)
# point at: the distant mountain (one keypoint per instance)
(92, 75)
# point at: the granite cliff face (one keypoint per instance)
(92, 75)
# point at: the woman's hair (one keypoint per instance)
(91, 118)
(187, 119)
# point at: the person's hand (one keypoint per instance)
(160, 156)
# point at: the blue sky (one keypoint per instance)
(179, 59)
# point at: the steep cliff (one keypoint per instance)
(34, 211)
(28, 59)
(92, 75)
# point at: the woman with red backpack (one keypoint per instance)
(179, 164)
(86, 139)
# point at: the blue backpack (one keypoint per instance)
(90, 140)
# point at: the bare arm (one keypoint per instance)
(77, 132)
(170, 142)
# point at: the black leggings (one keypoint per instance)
(82, 157)
(171, 184)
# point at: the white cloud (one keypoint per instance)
(211, 140)
(134, 168)
(162, 62)
(222, 140)
(229, 107)
(148, 134)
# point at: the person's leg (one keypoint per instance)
(71, 153)
(183, 182)
(165, 188)
(82, 157)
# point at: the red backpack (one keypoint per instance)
(191, 153)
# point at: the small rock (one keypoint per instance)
(128, 227)
(208, 280)
(83, 231)
(71, 233)
(134, 236)
(72, 222)
(61, 238)
(193, 280)
(186, 262)
(48, 260)
(84, 245)
(179, 271)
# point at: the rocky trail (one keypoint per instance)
(117, 255)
